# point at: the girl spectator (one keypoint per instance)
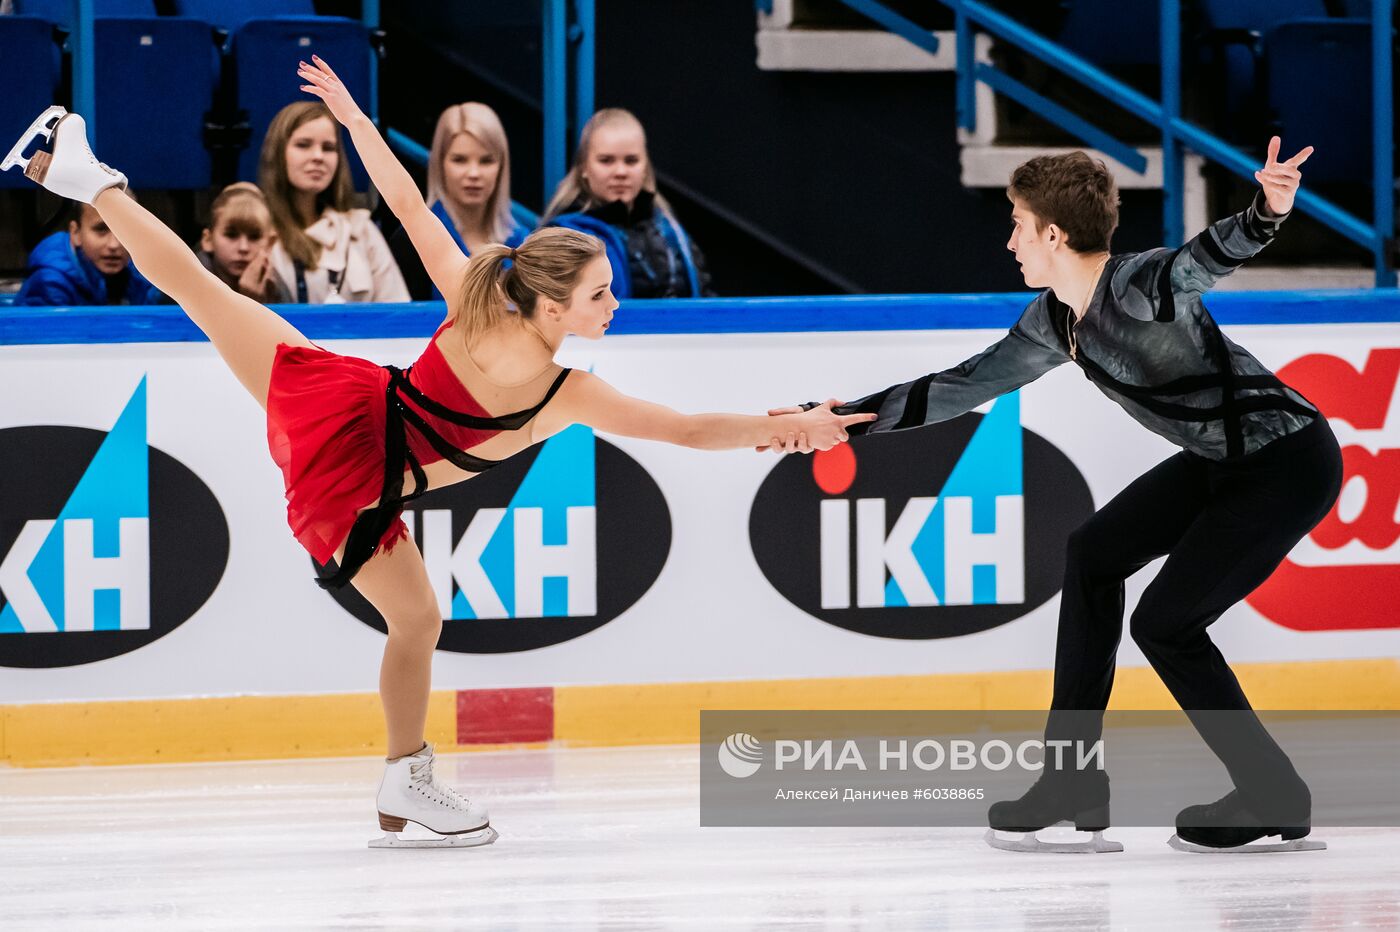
(468, 190)
(236, 246)
(611, 193)
(327, 252)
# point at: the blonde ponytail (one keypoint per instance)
(547, 264)
(483, 302)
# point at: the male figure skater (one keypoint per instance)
(1258, 468)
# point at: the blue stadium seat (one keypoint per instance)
(265, 55)
(61, 12)
(261, 57)
(232, 16)
(155, 89)
(29, 73)
(154, 83)
(1232, 43)
(1113, 33)
(1334, 114)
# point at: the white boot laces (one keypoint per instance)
(87, 150)
(420, 777)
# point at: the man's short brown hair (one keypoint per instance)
(1072, 191)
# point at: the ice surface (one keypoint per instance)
(600, 838)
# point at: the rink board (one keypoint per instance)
(618, 575)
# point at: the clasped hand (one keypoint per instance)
(822, 430)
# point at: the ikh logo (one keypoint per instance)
(545, 547)
(741, 755)
(1346, 573)
(929, 533)
(105, 543)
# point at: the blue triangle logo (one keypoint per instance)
(115, 486)
(990, 466)
(563, 476)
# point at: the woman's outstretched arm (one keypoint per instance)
(587, 399)
(435, 246)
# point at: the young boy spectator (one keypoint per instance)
(84, 265)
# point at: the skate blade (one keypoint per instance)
(1029, 843)
(475, 839)
(42, 128)
(1297, 844)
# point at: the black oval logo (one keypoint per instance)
(553, 543)
(947, 530)
(106, 544)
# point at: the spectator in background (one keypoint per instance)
(468, 190)
(84, 265)
(611, 193)
(237, 244)
(327, 251)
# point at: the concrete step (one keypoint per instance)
(859, 50)
(788, 40)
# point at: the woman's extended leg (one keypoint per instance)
(244, 333)
(396, 584)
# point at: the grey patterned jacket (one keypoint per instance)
(1146, 341)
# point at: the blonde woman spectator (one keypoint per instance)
(468, 190)
(236, 246)
(611, 193)
(327, 250)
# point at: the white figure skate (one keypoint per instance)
(68, 168)
(408, 793)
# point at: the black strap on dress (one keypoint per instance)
(370, 526)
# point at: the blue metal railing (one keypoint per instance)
(818, 314)
(1178, 135)
(84, 69)
(369, 15)
(566, 23)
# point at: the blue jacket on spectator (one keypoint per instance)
(420, 286)
(61, 276)
(614, 237)
(516, 237)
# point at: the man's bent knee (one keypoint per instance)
(1156, 628)
(1084, 551)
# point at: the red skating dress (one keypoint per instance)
(344, 430)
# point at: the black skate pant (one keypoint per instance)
(1223, 527)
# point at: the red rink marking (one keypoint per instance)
(505, 716)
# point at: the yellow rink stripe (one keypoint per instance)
(257, 727)
(666, 713)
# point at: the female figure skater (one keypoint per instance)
(350, 436)
(1258, 468)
